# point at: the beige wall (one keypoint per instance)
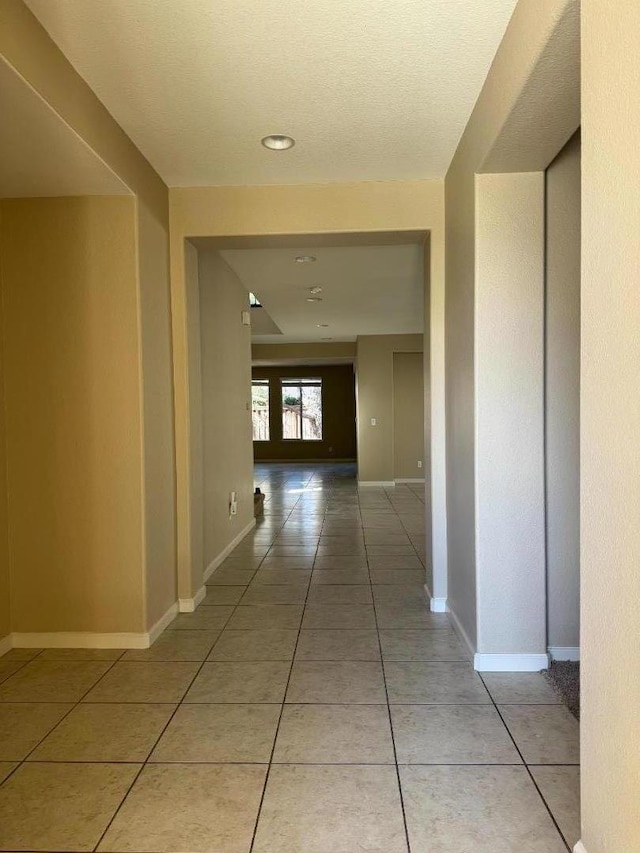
(72, 401)
(5, 607)
(528, 108)
(610, 426)
(374, 396)
(226, 404)
(408, 415)
(294, 352)
(562, 396)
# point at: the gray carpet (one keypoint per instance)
(564, 677)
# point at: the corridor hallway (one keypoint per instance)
(311, 704)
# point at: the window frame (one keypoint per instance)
(300, 383)
(262, 383)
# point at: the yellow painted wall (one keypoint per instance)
(227, 458)
(5, 608)
(374, 395)
(610, 427)
(408, 415)
(72, 401)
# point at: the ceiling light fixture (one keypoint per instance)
(315, 289)
(326, 339)
(322, 325)
(278, 142)
(314, 299)
(305, 259)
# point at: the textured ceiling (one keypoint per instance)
(370, 89)
(366, 290)
(39, 154)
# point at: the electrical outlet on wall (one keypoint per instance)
(419, 463)
(233, 504)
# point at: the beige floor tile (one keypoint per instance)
(389, 561)
(421, 682)
(358, 577)
(217, 595)
(406, 595)
(276, 594)
(394, 576)
(260, 645)
(321, 616)
(479, 809)
(242, 561)
(292, 550)
(190, 808)
(520, 688)
(52, 681)
(279, 562)
(545, 734)
(61, 806)
(176, 645)
(20, 654)
(382, 537)
(356, 561)
(391, 551)
(340, 594)
(560, 787)
(279, 577)
(23, 725)
(253, 617)
(398, 616)
(345, 550)
(451, 734)
(342, 644)
(219, 733)
(212, 618)
(331, 809)
(6, 767)
(8, 667)
(81, 654)
(349, 682)
(240, 681)
(334, 734)
(150, 681)
(420, 645)
(230, 577)
(108, 732)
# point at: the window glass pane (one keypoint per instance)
(312, 412)
(302, 409)
(260, 409)
(291, 411)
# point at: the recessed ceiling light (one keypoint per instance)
(315, 289)
(322, 325)
(314, 299)
(278, 142)
(304, 259)
(326, 339)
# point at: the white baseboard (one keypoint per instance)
(564, 653)
(188, 605)
(462, 634)
(438, 605)
(579, 848)
(5, 645)
(94, 640)
(213, 565)
(385, 484)
(510, 663)
(409, 480)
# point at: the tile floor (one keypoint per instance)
(312, 704)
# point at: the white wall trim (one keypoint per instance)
(188, 605)
(385, 484)
(409, 480)
(94, 640)
(510, 663)
(5, 645)
(438, 605)
(564, 653)
(579, 848)
(457, 627)
(213, 565)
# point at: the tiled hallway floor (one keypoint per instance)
(312, 704)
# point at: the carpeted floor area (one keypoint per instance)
(564, 676)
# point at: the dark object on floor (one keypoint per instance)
(258, 503)
(564, 677)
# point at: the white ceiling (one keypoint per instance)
(39, 154)
(370, 89)
(366, 290)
